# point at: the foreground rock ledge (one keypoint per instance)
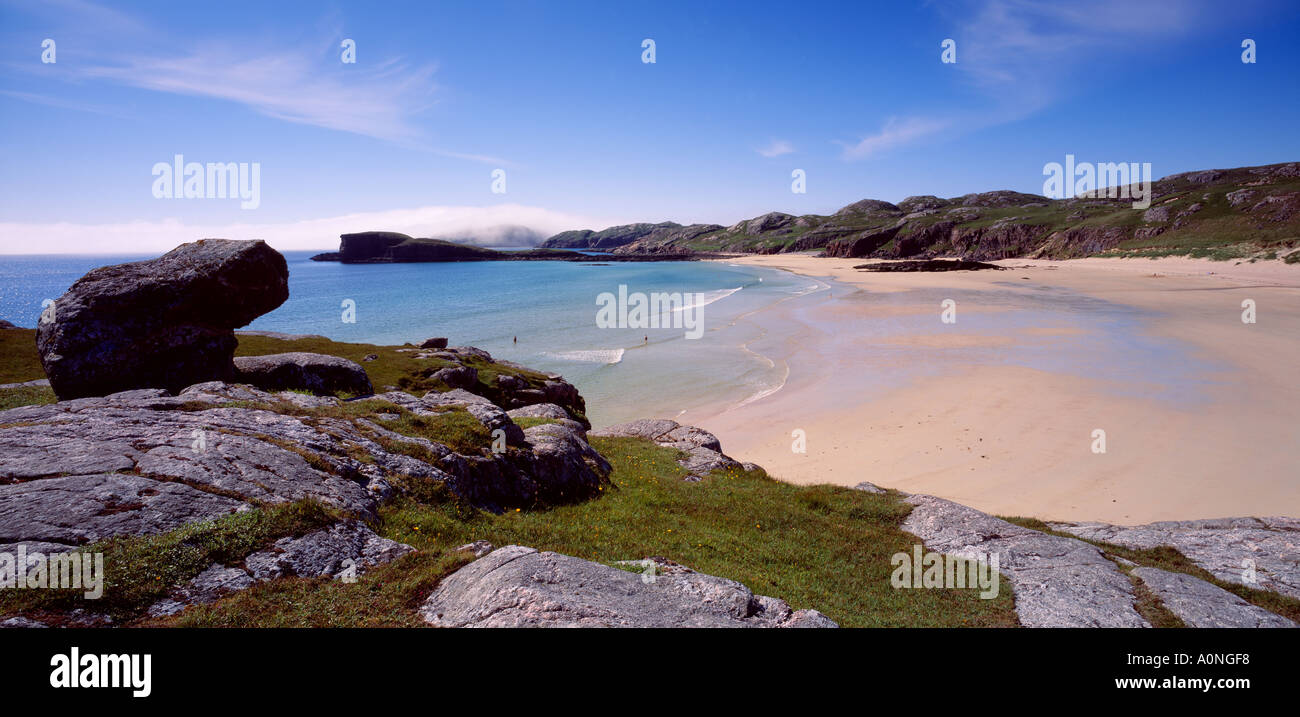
(516, 586)
(1058, 582)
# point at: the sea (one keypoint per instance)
(542, 314)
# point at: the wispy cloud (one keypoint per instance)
(485, 225)
(61, 103)
(776, 148)
(373, 100)
(304, 82)
(896, 132)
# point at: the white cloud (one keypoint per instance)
(484, 225)
(895, 133)
(303, 82)
(776, 148)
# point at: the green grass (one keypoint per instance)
(530, 421)
(25, 396)
(138, 570)
(816, 547)
(19, 361)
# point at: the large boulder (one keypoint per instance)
(516, 586)
(163, 323)
(301, 371)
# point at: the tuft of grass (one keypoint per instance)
(385, 596)
(26, 396)
(530, 421)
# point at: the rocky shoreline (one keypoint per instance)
(132, 452)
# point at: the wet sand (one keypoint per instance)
(1201, 412)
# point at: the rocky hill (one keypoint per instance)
(1220, 213)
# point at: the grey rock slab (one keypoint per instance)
(20, 622)
(1202, 604)
(206, 587)
(867, 487)
(349, 545)
(1058, 582)
(254, 469)
(1236, 550)
(538, 410)
(703, 450)
(78, 509)
(517, 586)
(298, 370)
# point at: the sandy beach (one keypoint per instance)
(999, 409)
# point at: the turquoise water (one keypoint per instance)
(550, 307)
(743, 354)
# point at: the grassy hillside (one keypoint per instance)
(1248, 212)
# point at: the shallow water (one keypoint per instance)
(549, 307)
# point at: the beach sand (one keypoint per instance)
(1201, 412)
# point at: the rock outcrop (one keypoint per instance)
(1058, 582)
(703, 451)
(300, 371)
(516, 586)
(145, 462)
(1201, 604)
(1260, 553)
(163, 323)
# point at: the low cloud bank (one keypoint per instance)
(500, 225)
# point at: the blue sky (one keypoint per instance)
(556, 94)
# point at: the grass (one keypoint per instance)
(25, 396)
(19, 361)
(139, 570)
(1167, 557)
(818, 547)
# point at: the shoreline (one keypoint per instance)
(1153, 351)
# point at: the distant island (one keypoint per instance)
(392, 247)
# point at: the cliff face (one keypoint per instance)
(1225, 210)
